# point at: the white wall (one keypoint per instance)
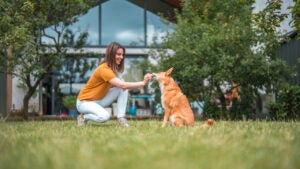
(18, 95)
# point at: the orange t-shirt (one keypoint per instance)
(97, 86)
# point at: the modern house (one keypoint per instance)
(132, 23)
(136, 24)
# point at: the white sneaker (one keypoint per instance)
(81, 121)
(122, 122)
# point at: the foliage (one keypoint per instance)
(23, 25)
(220, 42)
(287, 106)
(296, 15)
(69, 101)
(211, 111)
(63, 145)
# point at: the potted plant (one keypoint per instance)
(70, 103)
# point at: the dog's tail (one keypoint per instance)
(209, 122)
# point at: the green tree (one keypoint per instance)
(220, 42)
(296, 15)
(23, 25)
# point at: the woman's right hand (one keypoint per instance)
(147, 77)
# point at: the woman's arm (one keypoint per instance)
(130, 85)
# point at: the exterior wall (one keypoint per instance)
(18, 95)
(290, 53)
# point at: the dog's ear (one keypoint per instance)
(168, 72)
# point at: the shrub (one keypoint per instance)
(211, 110)
(69, 101)
(287, 106)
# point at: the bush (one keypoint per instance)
(69, 101)
(287, 106)
(211, 110)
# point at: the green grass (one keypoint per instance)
(145, 145)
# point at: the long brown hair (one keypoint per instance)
(110, 57)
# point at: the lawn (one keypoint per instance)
(145, 145)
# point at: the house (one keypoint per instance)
(133, 23)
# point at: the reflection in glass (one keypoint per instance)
(156, 28)
(122, 21)
(86, 23)
(89, 23)
(75, 72)
(133, 71)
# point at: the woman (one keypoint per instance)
(104, 87)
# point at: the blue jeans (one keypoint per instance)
(94, 110)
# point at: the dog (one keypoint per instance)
(176, 105)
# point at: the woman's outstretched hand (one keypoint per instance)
(147, 77)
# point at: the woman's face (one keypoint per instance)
(119, 56)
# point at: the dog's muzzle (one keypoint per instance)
(153, 75)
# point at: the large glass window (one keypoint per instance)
(76, 71)
(89, 23)
(133, 71)
(122, 21)
(86, 23)
(156, 28)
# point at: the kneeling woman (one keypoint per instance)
(104, 87)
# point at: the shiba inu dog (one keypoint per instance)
(176, 106)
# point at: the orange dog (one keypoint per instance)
(175, 103)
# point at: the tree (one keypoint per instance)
(23, 25)
(219, 47)
(296, 15)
